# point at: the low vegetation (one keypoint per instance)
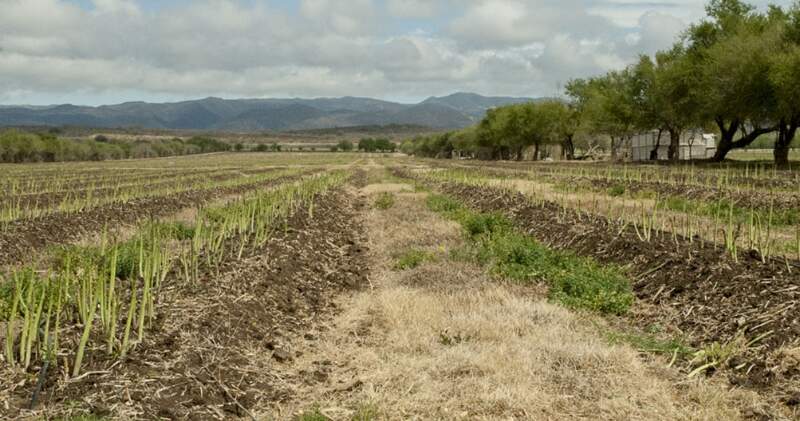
(413, 258)
(384, 201)
(17, 146)
(575, 282)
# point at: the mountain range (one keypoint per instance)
(253, 115)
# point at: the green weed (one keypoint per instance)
(413, 258)
(384, 201)
(574, 281)
(617, 190)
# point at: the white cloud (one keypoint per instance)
(253, 48)
(125, 7)
(417, 9)
(354, 17)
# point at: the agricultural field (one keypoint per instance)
(339, 286)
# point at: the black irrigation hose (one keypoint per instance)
(42, 377)
(39, 383)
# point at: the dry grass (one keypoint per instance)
(444, 342)
(387, 188)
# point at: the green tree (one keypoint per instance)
(666, 95)
(607, 105)
(732, 51)
(785, 78)
(345, 145)
(366, 144)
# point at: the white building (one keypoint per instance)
(694, 144)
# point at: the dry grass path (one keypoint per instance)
(442, 340)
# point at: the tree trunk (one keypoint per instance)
(536, 151)
(568, 148)
(654, 152)
(674, 151)
(786, 133)
(725, 143)
(520, 150)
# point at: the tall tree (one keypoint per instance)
(607, 106)
(785, 77)
(674, 96)
(732, 55)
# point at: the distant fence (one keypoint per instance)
(757, 151)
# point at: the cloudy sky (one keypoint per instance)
(109, 51)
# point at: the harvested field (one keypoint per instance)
(214, 355)
(693, 290)
(443, 340)
(355, 286)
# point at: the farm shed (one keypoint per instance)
(693, 145)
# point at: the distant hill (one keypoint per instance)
(254, 115)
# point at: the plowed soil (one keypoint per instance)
(746, 199)
(212, 354)
(23, 239)
(53, 199)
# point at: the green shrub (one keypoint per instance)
(412, 258)
(617, 190)
(384, 201)
(485, 223)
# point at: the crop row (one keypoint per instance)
(16, 210)
(105, 297)
(748, 177)
(765, 232)
(746, 196)
(26, 238)
(64, 183)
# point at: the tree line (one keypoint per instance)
(735, 73)
(18, 146)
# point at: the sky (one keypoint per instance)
(93, 52)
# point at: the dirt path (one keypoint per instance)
(443, 341)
